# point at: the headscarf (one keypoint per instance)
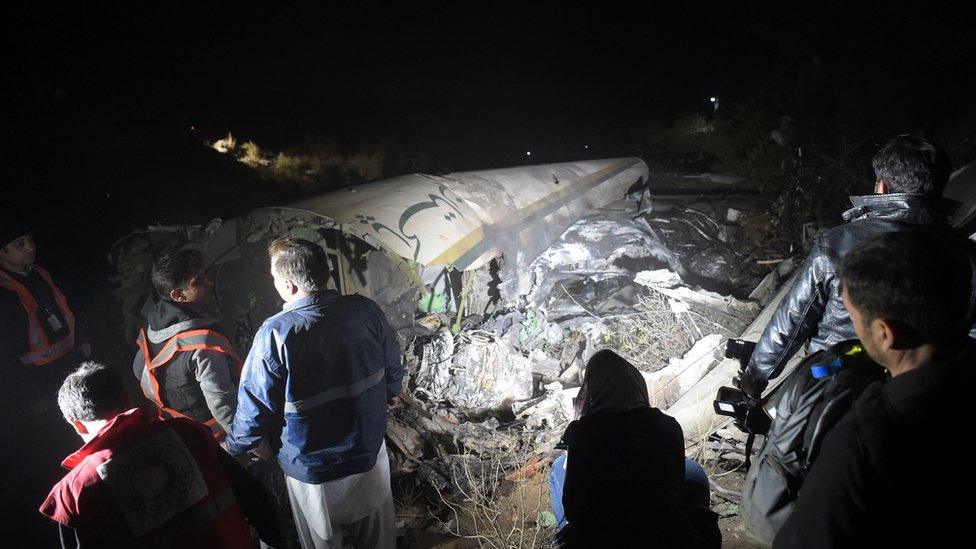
(611, 384)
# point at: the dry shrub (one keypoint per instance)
(251, 155)
(654, 334)
(320, 165)
(480, 512)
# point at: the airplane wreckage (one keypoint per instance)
(502, 283)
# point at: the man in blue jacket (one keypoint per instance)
(315, 390)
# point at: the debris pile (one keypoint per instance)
(501, 285)
(494, 394)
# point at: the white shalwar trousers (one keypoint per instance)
(356, 510)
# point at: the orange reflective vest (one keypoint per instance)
(42, 351)
(191, 340)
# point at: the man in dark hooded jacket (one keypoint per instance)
(911, 173)
(184, 365)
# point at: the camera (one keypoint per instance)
(747, 411)
(740, 350)
(749, 414)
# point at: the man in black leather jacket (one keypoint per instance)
(911, 173)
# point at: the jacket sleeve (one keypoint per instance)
(138, 365)
(213, 373)
(795, 320)
(261, 395)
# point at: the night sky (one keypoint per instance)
(110, 94)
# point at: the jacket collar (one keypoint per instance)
(911, 208)
(166, 319)
(322, 297)
(907, 390)
(18, 275)
(107, 434)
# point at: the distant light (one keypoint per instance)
(712, 99)
(586, 146)
(528, 153)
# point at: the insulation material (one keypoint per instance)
(488, 376)
(554, 409)
(478, 376)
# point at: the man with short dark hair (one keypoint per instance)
(910, 174)
(185, 366)
(881, 479)
(315, 388)
(141, 482)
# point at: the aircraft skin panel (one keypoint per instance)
(464, 219)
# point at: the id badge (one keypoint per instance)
(54, 323)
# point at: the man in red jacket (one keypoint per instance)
(141, 481)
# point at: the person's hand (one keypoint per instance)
(243, 459)
(392, 404)
(260, 453)
(751, 384)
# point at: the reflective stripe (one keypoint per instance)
(215, 429)
(335, 393)
(49, 353)
(185, 341)
(191, 341)
(41, 350)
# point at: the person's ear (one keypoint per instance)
(881, 187)
(79, 426)
(887, 334)
(292, 287)
(177, 295)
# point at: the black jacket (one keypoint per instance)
(885, 476)
(813, 311)
(624, 484)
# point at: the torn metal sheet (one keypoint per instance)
(701, 241)
(553, 410)
(476, 376)
(464, 219)
(669, 284)
(385, 238)
(606, 243)
(236, 252)
(697, 182)
(962, 188)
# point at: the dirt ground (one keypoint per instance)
(531, 500)
(734, 535)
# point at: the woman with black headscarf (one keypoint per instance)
(625, 471)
